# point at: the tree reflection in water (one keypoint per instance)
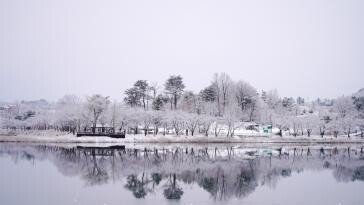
(136, 186)
(172, 191)
(96, 174)
(358, 174)
(222, 171)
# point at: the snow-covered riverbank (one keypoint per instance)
(57, 137)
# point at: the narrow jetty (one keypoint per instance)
(101, 132)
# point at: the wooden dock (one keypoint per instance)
(100, 132)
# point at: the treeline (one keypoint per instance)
(221, 108)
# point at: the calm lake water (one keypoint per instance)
(181, 174)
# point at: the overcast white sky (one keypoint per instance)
(48, 48)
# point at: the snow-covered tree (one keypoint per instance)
(246, 97)
(190, 102)
(97, 105)
(231, 119)
(345, 109)
(344, 106)
(310, 123)
(177, 120)
(157, 120)
(358, 100)
(206, 122)
(209, 94)
(335, 126)
(147, 118)
(143, 88)
(174, 87)
(360, 125)
(159, 102)
(192, 122)
(223, 87)
(132, 97)
(139, 94)
(272, 99)
(217, 126)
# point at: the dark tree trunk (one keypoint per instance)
(322, 133)
(143, 99)
(336, 133)
(155, 130)
(175, 101)
(349, 133)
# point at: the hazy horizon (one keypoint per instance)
(301, 48)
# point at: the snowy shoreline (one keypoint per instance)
(69, 138)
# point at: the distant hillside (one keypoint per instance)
(360, 93)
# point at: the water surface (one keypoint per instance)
(181, 174)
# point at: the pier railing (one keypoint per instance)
(100, 131)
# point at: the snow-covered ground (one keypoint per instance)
(59, 137)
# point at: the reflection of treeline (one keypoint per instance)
(217, 182)
(223, 172)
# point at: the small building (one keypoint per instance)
(267, 129)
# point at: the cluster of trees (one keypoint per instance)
(219, 109)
